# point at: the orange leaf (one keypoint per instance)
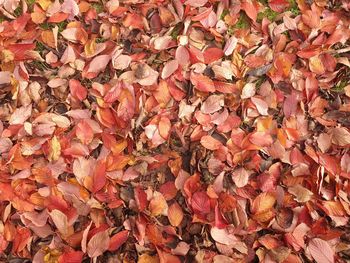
(84, 132)
(210, 143)
(164, 127)
(202, 83)
(48, 38)
(263, 203)
(250, 7)
(212, 54)
(77, 90)
(175, 214)
(158, 205)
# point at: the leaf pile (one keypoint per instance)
(169, 131)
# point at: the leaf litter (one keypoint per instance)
(174, 131)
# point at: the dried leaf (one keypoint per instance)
(98, 244)
(321, 251)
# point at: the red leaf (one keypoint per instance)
(77, 90)
(84, 132)
(20, 50)
(99, 176)
(118, 240)
(279, 5)
(140, 198)
(249, 6)
(202, 83)
(212, 54)
(200, 203)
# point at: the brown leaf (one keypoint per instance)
(301, 193)
(340, 136)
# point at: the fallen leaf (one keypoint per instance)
(210, 143)
(321, 251)
(118, 240)
(98, 244)
(175, 214)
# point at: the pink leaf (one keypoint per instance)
(20, 115)
(212, 104)
(260, 105)
(182, 56)
(196, 3)
(5, 77)
(97, 65)
(202, 83)
(321, 251)
(77, 90)
(223, 236)
(230, 45)
(200, 203)
(210, 143)
(169, 68)
(240, 177)
(98, 244)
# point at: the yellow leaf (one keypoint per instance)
(55, 149)
(44, 4)
(114, 32)
(119, 146)
(158, 205)
(316, 65)
(38, 17)
(264, 124)
(145, 258)
(301, 193)
(15, 87)
(48, 38)
(90, 47)
(7, 56)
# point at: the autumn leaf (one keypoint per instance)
(202, 83)
(321, 251)
(175, 214)
(61, 222)
(158, 205)
(55, 149)
(210, 143)
(200, 203)
(77, 90)
(98, 244)
(136, 125)
(118, 240)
